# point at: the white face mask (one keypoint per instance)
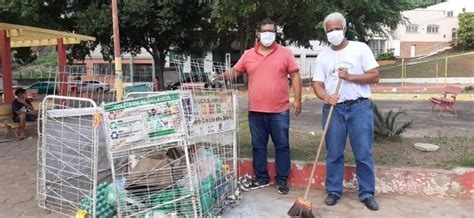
(335, 37)
(267, 38)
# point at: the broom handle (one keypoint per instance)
(321, 142)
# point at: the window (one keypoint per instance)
(450, 14)
(454, 34)
(109, 69)
(377, 46)
(432, 29)
(412, 28)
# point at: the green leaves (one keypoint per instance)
(466, 30)
(384, 125)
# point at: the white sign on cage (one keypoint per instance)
(143, 121)
(212, 112)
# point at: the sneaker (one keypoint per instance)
(282, 187)
(244, 183)
(256, 184)
(331, 199)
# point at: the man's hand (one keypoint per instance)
(215, 77)
(343, 74)
(331, 99)
(296, 107)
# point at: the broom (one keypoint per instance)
(302, 207)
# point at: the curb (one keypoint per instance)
(456, 183)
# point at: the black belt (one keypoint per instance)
(351, 102)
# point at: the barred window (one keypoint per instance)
(432, 29)
(412, 28)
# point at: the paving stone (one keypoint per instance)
(6, 206)
(20, 198)
(13, 212)
(35, 211)
(426, 147)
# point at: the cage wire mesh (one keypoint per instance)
(153, 181)
(69, 147)
(168, 153)
(197, 74)
(79, 82)
(192, 175)
(149, 157)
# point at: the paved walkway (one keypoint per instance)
(267, 202)
(18, 180)
(18, 191)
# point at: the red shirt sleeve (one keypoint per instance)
(292, 64)
(240, 66)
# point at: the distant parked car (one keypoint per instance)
(196, 79)
(43, 87)
(93, 86)
(14, 83)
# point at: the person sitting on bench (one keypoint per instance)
(23, 111)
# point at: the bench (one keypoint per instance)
(6, 121)
(447, 101)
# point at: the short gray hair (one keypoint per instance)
(335, 16)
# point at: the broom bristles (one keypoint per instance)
(301, 208)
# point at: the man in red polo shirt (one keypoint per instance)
(268, 65)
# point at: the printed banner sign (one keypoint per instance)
(144, 121)
(209, 112)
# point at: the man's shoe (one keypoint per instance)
(371, 203)
(256, 184)
(282, 187)
(331, 199)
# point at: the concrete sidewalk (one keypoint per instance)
(267, 202)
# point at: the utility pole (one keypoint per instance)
(118, 58)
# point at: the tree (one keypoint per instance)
(466, 30)
(302, 20)
(46, 14)
(155, 26)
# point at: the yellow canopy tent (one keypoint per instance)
(14, 36)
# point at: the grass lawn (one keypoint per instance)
(460, 66)
(453, 152)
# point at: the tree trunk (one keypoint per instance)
(243, 40)
(160, 61)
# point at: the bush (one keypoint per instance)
(468, 88)
(386, 56)
(385, 125)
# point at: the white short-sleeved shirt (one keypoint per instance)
(356, 57)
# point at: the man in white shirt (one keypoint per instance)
(353, 62)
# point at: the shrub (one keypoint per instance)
(386, 56)
(468, 88)
(385, 127)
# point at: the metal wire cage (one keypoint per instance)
(154, 181)
(153, 154)
(68, 155)
(200, 179)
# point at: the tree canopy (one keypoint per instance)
(196, 26)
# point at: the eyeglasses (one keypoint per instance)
(267, 31)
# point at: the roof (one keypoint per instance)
(27, 36)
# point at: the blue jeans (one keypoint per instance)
(277, 126)
(357, 121)
(29, 118)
